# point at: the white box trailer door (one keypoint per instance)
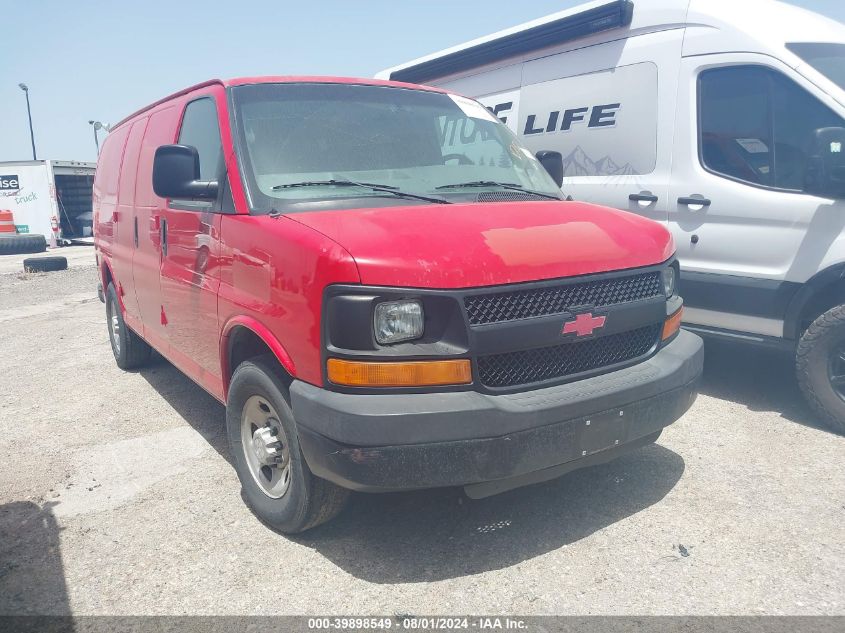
(33, 202)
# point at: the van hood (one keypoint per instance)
(471, 245)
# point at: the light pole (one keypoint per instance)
(29, 114)
(96, 125)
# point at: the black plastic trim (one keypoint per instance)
(742, 338)
(768, 298)
(612, 15)
(823, 281)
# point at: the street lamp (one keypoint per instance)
(97, 126)
(29, 114)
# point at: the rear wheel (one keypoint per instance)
(277, 484)
(129, 349)
(820, 364)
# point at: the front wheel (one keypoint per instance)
(820, 364)
(277, 484)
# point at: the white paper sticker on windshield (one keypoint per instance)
(472, 109)
(752, 145)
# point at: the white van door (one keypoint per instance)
(747, 235)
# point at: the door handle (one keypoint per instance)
(136, 231)
(164, 237)
(694, 200)
(643, 196)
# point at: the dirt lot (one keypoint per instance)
(117, 497)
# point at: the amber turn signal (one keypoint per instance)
(672, 325)
(424, 373)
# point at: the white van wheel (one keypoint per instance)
(820, 364)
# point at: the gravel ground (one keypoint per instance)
(117, 497)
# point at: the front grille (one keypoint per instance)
(549, 363)
(523, 304)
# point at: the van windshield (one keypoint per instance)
(305, 146)
(828, 59)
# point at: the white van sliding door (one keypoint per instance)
(747, 234)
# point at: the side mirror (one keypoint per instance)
(824, 174)
(176, 174)
(553, 163)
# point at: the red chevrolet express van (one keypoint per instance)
(385, 289)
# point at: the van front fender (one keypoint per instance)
(264, 334)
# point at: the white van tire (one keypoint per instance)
(821, 349)
(130, 350)
(284, 494)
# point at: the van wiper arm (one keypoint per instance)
(504, 185)
(367, 185)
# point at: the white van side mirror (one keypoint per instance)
(824, 174)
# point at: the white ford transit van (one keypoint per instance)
(725, 120)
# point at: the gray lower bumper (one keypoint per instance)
(390, 419)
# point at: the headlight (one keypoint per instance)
(669, 281)
(396, 321)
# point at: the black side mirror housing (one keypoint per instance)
(176, 174)
(553, 163)
(824, 174)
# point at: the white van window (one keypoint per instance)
(828, 59)
(755, 125)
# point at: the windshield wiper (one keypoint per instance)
(367, 185)
(504, 185)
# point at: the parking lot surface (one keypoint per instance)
(117, 497)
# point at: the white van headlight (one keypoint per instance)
(669, 281)
(397, 321)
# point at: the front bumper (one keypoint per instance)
(384, 442)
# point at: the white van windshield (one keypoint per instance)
(828, 59)
(326, 143)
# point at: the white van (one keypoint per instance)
(724, 119)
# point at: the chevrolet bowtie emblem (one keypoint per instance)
(584, 324)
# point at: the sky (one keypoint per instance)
(100, 60)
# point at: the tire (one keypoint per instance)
(130, 350)
(44, 264)
(258, 404)
(816, 359)
(22, 244)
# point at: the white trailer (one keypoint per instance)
(36, 191)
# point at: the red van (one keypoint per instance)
(386, 290)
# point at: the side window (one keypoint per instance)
(755, 125)
(200, 129)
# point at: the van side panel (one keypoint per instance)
(146, 264)
(124, 239)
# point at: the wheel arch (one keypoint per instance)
(245, 337)
(821, 292)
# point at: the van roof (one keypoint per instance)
(241, 81)
(721, 26)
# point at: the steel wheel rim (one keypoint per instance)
(836, 369)
(114, 328)
(265, 446)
